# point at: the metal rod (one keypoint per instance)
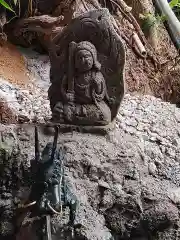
(172, 20)
(37, 148)
(28, 205)
(54, 142)
(48, 227)
(53, 210)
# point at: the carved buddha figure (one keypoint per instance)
(84, 92)
(89, 81)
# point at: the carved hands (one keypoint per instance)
(70, 96)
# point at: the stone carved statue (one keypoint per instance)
(84, 90)
(80, 92)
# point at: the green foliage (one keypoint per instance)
(6, 5)
(149, 19)
(174, 3)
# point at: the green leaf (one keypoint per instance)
(4, 4)
(173, 3)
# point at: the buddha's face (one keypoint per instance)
(83, 60)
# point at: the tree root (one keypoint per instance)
(126, 11)
(47, 25)
(44, 23)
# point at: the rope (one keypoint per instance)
(28, 205)
(53, 210)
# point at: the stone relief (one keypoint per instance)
(87, 65)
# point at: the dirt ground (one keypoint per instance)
(12, 65)
(141, 75)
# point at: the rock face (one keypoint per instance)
(127, 182)
(87, 69)
(22, 105)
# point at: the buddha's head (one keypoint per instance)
(86, 57)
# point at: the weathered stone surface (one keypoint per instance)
(110, 174)
(87, 68)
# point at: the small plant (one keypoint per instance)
(6, 5)
(174, 3)
(150, 19)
